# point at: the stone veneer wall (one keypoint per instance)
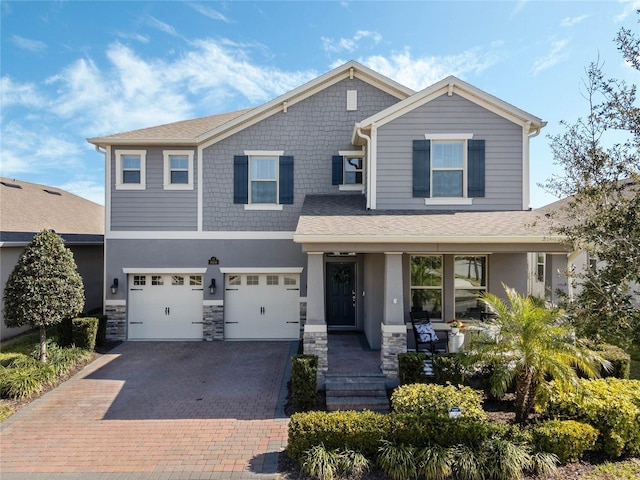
(213, 322)
(303, 317)
(315, 342)
(394, 341)
(116, 322)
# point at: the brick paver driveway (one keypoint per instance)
(158, 410)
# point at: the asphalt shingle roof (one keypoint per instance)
(33, 207)
(347, 216)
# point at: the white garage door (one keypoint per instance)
(165, 307)
(262, 306)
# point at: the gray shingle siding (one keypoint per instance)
(455, 114)
(153, 208)
(311, 131)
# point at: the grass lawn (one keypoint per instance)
(23, 378)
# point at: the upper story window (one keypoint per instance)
(130, 169)
(263, 180)
(178, 170)
(348, 170)
(448, 169)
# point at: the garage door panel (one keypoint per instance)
(165, 307)
(262, 306)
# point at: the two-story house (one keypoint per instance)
(343, 204)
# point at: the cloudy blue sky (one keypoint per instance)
(77, 69)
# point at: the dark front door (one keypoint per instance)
(341, 295)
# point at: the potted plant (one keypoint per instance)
(456, 326)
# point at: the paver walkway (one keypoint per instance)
(158, 410)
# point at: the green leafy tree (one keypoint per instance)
(532, 346)
(44, 287)
(600, 159)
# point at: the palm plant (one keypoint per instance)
(533, 346)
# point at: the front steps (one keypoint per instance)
(356, 392)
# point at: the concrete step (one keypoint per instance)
(356, 392)
(376, 404)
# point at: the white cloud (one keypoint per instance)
(418, 73)
(85, 188)
(22, 94)
(209, 12)
(163, 27)
(630, 7)
(133, 36)
(35, 46)
(569, 22)
(559, 52)
(349, 44)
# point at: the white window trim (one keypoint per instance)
(352, 187)
(143, 177)
(454, 201)
(167, 170)
(264, 153)
(258, 271)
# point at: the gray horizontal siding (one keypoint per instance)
(503, 148)
(311, 131)
(153, 208)
(195, 254)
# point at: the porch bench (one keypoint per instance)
(426, 338)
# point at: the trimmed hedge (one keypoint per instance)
(304, 369)
(568, 439)
(450, 368)
(419, 399)
(101, 336)
(610, 405)
(411, 367)
(64, 332)
(620, 361)
(84, 331)
(365, 431)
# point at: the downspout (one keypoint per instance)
(103, 151)
(368, 140)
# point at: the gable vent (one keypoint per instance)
(52, 192)
(10, 185)
(352, 100)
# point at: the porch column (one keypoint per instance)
(394, 330)
(315, 330)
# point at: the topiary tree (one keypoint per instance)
(44, 287)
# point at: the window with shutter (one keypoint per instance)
(263, 180)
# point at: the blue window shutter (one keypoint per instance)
(422, 168)
(286, 180)
(241, 179)
(336, 170)
(476, 164)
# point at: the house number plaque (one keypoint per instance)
(213, 261)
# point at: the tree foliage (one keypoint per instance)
(44, 287)
(600, 159)
(532, 346)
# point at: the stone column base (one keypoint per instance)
(116, 321)
(212, 322)
(394, 341)
(315, 343)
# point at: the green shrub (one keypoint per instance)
(435, 462)
(398, 462)
(619, 359)
(359, 431)
(504, 460)
(610, 405)
(411, 367)
(84, 331)
(326, 464)
(568, 439)
(450, 368)
(7, 358)
(437, 399)
(23, 382)
(64, 332)
(101, 336)
(304, 369)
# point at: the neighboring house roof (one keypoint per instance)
(449, 86)
(345, 219)
(208, 130)
(27, 208)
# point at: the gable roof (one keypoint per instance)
(449, 86)
(208, 130)
(27, 208)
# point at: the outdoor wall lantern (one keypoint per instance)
(114, 286)
(212, 287)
